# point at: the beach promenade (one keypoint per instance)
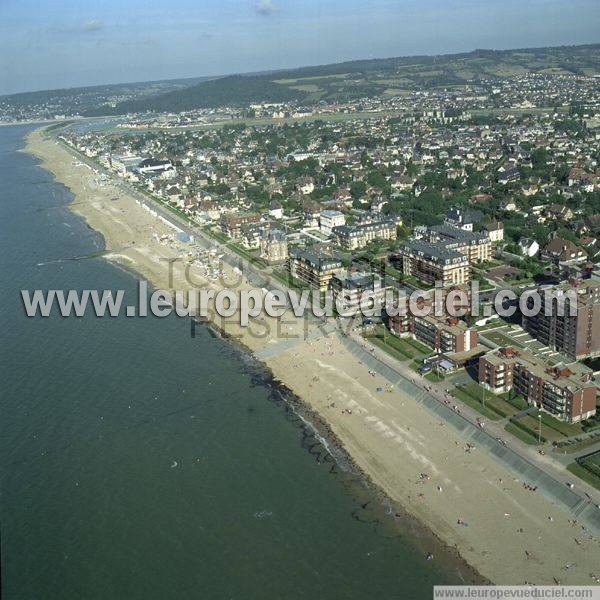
(438, 468)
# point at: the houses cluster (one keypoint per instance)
(424, 195)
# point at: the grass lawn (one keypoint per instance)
(517, 401)
(434, 376)
(404, 347)
(221, 237)
(422, 348)
(393, 352)
(591, 462)
(566, 429)
(484, 284)
(584, 474)
(593, 423)
(570, 448)
(290, 281)
(531, 422)
(259, 262)
(461, 395)
(524, 436)
(495, 403)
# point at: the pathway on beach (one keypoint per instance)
(520, 458)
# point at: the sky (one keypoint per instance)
(48, 44)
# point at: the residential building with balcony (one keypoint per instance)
(476, 246)
(231, 224)
(355, 291)
(358, 236)
(313, 266)
(569, 318)
(430, 263)
(565, 391)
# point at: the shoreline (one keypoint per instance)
(372, 443)
(314, 425)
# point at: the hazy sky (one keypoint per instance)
(64, 43)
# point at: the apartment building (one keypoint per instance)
(313, 267)
(495, 230)
(476, 246)
(330, 219)
(569, 318)
(463, 218)
(430, 263)
(446, 335)
(565, 391)
(231, 224)
(358, 236)
(355, 291)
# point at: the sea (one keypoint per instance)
(140, 462)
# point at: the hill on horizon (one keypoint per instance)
(336, 82)
(352, 80)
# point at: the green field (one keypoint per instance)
(494, 404)
(588, 469)
(564, 429)
(531, 423)
(400, 348)
(460, 393)
(576, 446)
(523, 435)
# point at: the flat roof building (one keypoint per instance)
(568, 320)
(565, 391)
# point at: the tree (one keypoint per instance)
(358, 189)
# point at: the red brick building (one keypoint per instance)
(565, 391)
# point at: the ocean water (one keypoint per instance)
(137, 462)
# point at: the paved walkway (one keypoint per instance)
(544, 471)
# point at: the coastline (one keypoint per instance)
(388, 438)
(324, 438)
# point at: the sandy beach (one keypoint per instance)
(509, 534)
